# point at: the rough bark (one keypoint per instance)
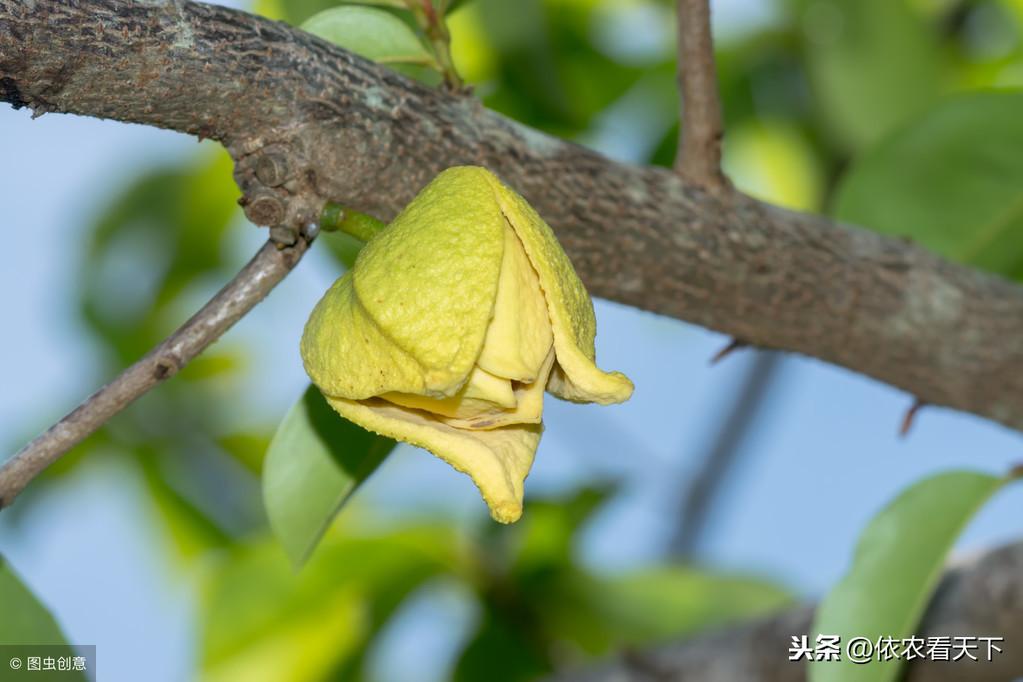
(981, 598)
(307, 122)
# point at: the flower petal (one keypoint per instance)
(429, 280)
(527, 410)
(483, 393)
(519, 335)
(576, 377)
(498, 460)
(346, 354)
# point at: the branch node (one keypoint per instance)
(264, 208)
(272, 169)
(283, 236)
(165, 368)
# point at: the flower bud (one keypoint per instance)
(451, 325)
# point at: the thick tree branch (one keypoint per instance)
(250, 286)
(699, 141)
(307, 122)
(981, 598)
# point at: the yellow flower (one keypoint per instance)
(450, 326)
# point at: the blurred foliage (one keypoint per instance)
(897, 565)
(158, 250)
(812, 88)
(952, 179)
(538, 608)
(25, 620)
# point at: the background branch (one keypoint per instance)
(706, 484)
(982, 597)
(307, 122)
(699, 143)
(250, 286)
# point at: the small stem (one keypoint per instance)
(337, 218)
(699, 146)
(435, 26)
(250, 286)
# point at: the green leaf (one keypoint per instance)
(953, 181)
(659, 603)
(372, 33)
(871, 64)
(25, 620)
(448, 6)
(262, 620)
(315, 462)
(394, 4)
(501, 651)
(896, 566)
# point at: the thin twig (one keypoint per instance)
(699, 143)
(706, 484)
(250, 286)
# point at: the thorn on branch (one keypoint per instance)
(910, 417)
(733, 345)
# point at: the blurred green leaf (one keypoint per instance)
(160, 237)
(372, 33)
(674, 601)
(952, 180)
(502, 651)
(896, 566)
(292, 11)
(315, 462)
(315, 624)
(249, 448)
(25, 620)
(449, 6)
(872, 63)
(541, 609)
(394, 4)
(189, 531)
(545, 55)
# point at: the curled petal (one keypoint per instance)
(519, 336)
(528, 407)
(575, 377)
(497, 460)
